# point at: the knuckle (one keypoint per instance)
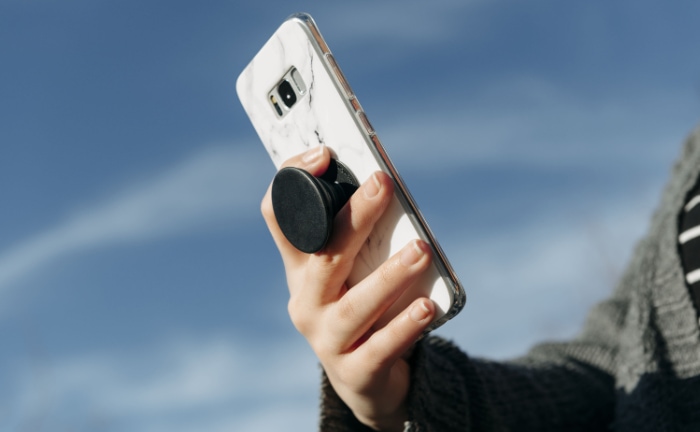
(347, 378)
(328, 260)
(323, 351)
(346, 310)
(300, 319)
(374, 359)
(362, 213)
(386, 273)
(266, 208)
(326, 265)
(389, 274)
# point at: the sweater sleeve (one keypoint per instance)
(452, 392)
(554, 387)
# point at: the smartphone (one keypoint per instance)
(296, 98)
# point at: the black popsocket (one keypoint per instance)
(305, 205)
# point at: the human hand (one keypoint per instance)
(365, 365)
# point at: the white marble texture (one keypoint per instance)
(323, 116)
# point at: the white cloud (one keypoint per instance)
(210, 186)
(530, 122)
(190, 385)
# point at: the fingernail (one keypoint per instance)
(372, 187)
(419, 311)
(411, 254)
(312, 155)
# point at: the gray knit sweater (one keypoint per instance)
(634, 367)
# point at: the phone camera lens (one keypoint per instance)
(287, 94)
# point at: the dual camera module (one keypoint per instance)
(286, 93)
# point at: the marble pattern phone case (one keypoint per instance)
(327, 113)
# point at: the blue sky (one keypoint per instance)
(139, 288)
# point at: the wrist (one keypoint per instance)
(389, 423)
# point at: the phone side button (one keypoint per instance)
(366, 123)
(339, 75)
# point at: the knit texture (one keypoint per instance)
(634, 367)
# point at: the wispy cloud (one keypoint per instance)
(211, 384)
(527, 121)
(209, 186)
